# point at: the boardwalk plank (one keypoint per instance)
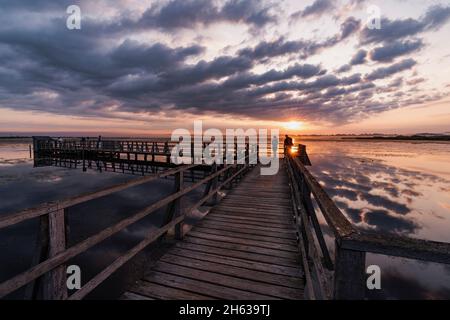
(246, 242)
(239, 262)
(257, 218)
(254, 227)
(211, 290)
(239, 254)
(234, 271)
(230, 282)
(247, 229)
(245, 248)
(237, 234)
(165, 292)
(250, 223)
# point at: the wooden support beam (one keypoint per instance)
(175, 208)
(349, 276)
(55, 280)
(33, 289)
(214, 185)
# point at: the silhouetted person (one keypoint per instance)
(288, 143)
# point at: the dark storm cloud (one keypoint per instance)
(303, 48)
(157, 57)
(88, 72)
(359, 57)
(392, 50)
(245, 79)
(385, 72)
(192, 13)
(349, 26)
(344, 68)
(36, 5)
(275, 48)
(392, 30)
(317, 8)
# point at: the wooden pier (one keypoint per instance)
(245, 248)
(263, 240)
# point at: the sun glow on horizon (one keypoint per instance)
(293, 125)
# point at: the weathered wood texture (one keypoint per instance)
(245, 248)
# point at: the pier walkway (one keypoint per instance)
(269, 237)
(245, 248)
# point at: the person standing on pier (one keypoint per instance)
(288, 143)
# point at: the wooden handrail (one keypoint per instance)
(62, 256)
(351, 245)
(103, 275)
(334, 217)
(399, 246)
(46, 208)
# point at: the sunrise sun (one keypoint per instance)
(292, 125)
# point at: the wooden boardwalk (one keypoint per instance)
(245, 248)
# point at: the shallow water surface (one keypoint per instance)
(381, 186)
(391, 187)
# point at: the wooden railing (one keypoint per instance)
(53, 230)
(343, 277)
(138, 157)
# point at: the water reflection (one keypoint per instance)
(22, 186)
(379, 191)
(378, 196)
(381, 187)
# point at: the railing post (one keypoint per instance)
(179, 177)
(302, 155)
(214, 185)
(175, 208)
(55, 284)
(34, 288)
(349, 276)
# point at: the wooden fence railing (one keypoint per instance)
(137, 157)
(343, 277)
(51, 267)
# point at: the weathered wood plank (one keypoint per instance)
(245, 248)
(227, 252)
(255, 213)
(349, 278)
(271, 268)
(232, 227)
(246, 242)
(234, 234)
(230, 282)
(245, 225)
(239, 272)
(164, 292)
(281, 219)
(55, 281)
(250, 223)
(200, 287)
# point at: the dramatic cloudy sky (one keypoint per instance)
(149, 66)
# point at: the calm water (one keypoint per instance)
(397, 187)
(22, 186)
(394, 187)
